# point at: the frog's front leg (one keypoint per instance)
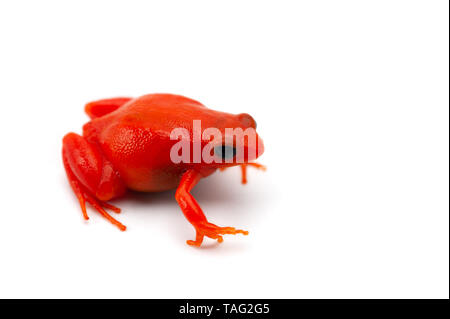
(194, 213)
(91, 176)
(244, 170)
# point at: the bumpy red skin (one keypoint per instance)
(127, 145)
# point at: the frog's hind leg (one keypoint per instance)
(102, 107)
(91, 176)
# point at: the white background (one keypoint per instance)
(351, 99)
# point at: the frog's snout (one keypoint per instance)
(259, 147)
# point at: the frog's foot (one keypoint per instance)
(244, 170)
(99, 205)
(212, 231)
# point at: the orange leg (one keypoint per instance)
(85, 172)
(102, 107)
(244, 170)
(194, 213)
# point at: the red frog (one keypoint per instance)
(127, 145)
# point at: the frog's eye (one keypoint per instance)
(225, 151)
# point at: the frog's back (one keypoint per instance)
(158, 109)
(136, 138)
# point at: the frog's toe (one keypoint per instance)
(244, 169)
(115, 209)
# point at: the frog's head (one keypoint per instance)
(239, 142)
